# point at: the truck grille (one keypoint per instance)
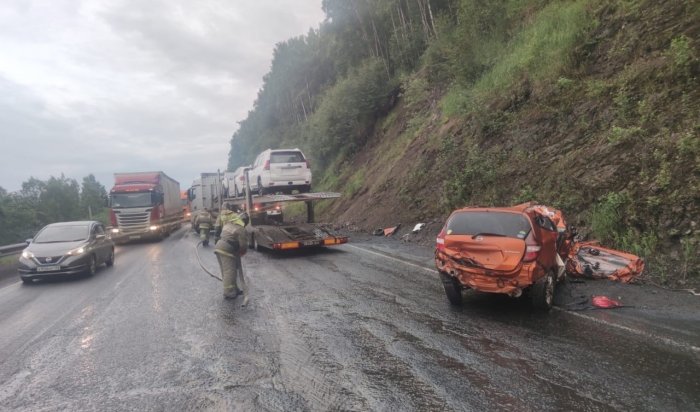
(133, 222)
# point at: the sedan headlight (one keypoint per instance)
(77, 251)
(27, 254)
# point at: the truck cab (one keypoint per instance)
(144, 205)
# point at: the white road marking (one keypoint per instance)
(642, 333)
(648, 335)
(433, 271)
(11, 284)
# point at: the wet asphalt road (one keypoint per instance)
(336, 329)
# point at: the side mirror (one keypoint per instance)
(28, 241)
(573, 231)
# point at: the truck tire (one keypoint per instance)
(542, 292)
(453, 290)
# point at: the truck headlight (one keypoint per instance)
(153, 228)
(115, 230)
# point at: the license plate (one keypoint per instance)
(135, 237)
(47, 268)
(311, 242)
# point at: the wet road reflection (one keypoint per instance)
(331, 329)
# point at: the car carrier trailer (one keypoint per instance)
(267, 229)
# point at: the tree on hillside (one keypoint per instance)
(92, 195)
(356, 37)
(3, 194)
(41, 202)
(17, 218)
(60, 200)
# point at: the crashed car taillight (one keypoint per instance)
(440, 241)
(532, 248)
(531, 253)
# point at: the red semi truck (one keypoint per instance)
(144, 205)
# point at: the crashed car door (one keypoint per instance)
(546, 236)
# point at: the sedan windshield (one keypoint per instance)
(63, 233)
(138, 199)
(489, 223)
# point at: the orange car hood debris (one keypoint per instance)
(589, 259)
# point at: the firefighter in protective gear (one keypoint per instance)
(202, 223)
(231, 244)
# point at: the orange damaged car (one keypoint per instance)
(507, 250)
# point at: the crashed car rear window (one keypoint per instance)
(286, 157)
(497, 223)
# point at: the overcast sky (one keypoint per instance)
(104, 86)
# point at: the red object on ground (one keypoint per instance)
(604, 302)
(390, 230)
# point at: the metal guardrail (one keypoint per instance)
(10, 250)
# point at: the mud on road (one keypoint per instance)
(364, 326)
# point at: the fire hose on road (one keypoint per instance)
(239, 273)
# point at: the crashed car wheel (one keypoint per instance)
(453, 290)
(543, 292)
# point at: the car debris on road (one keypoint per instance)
(389, 231)
(604, 302)
(589, 259)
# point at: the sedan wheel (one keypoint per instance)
(92, 267)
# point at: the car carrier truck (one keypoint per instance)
(268, 230)
(144, 205)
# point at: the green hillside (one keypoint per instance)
(414, 107)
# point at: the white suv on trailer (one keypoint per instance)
(235, 182)
(282, 170)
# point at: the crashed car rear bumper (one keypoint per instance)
(490, 282)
